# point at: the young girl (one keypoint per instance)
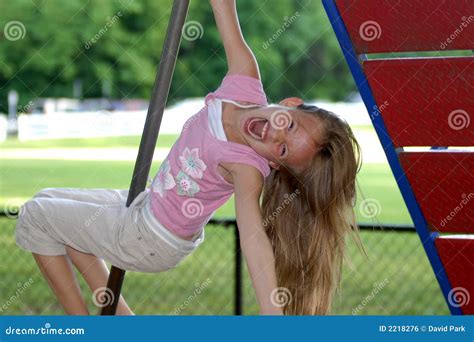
(302, 158)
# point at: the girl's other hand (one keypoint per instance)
(291, 102)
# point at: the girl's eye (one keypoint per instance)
(283, 150)
(291, 125)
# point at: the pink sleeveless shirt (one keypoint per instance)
(188, 189)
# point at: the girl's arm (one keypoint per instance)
(254, 242)
(240, 58)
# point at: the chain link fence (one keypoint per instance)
(394, 279)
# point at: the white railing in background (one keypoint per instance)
(79, 125)
(3, 127)
(106, 124)
(102, 123)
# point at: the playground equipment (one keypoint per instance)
(422, 102)
(151, 129)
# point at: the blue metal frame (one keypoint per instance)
(426, 236)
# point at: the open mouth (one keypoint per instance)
(257, 128)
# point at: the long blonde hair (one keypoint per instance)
(307, 217)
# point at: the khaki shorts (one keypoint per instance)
(96, 221)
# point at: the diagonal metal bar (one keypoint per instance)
(238, 297)
(151, 129)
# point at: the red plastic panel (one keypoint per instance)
(443, 183)
(457, 256)
(408, 25)
(425, 101)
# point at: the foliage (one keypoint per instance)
(119, 41)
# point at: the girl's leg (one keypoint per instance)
(95, 273)
(60, 275)
(106, 197)
(47, 225)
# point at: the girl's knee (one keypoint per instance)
(46, 192)
(31, 213)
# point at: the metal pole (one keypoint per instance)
(151, 129)
(238, 274)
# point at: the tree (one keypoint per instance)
(119, 41)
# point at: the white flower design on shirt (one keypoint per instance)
(186, 185)
(191, 164)
(163, 180)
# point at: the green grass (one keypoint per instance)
(21, 179)
(127, 141)
(398, 257)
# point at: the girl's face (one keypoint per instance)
(282, 135)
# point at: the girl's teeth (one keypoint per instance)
(264, 130)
